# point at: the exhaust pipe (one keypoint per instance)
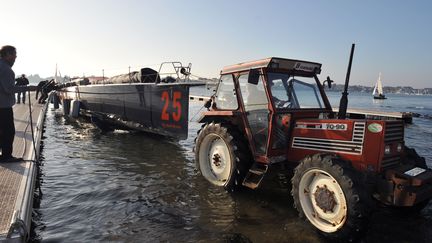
(343, 105)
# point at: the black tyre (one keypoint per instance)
(412, 157)
(221, 155)
(328, 193)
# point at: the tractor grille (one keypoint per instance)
(394, 131)
(355, 146)
(358, 133)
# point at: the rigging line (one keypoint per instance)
(198, 112)
(196, 76)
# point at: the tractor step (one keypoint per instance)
(255, 175)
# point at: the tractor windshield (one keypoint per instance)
(291, 92)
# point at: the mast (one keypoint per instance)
(55, 75)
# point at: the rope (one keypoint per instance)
(38, 171)
(199, 77)
(31, 126)
(199, 111)
(20, 226)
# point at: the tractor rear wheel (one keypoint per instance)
(328, 194)
(221, 156)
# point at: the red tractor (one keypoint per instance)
(276, 110)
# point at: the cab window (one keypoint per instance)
(254, 95)
(226, 97)
(291, 92)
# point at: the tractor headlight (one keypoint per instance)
(399, 147)
(387, 149)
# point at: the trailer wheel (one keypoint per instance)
(221, 156)
(327, 193)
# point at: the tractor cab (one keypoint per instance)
(264, 97)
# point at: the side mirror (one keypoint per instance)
(329, 82)
(253, 77)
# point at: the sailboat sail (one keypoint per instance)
(379, 86)
(378, 89)
(374, 90)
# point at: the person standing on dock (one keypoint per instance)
(7, 100)
(21, 81)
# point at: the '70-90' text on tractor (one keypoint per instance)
(275, 110)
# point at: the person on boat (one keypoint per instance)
(39, 88)
(7, 100)
(21, 81)
(45, 89)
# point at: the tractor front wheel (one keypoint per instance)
(327, 193)
(220, 155)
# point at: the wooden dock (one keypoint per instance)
(18, 179)
(351, 113)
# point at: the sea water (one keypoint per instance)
(131, 187)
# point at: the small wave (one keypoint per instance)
(415, 107)
(420, 115)
(427, 116)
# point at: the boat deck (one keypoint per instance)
(17, 180)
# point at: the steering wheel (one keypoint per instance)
(282, 104)
(287, 104)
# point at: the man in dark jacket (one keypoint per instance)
(21, 81)
(39, 88)
(7, 100)
(45, 89)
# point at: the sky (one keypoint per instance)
(84, 37)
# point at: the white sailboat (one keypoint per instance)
(378, 90)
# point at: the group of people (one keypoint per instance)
(8, 88)
(21, 81)
(43, 87)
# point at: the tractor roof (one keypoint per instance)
(277, 63)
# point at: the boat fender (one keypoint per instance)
(66, 106)
(56, 101)
(75, 108)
